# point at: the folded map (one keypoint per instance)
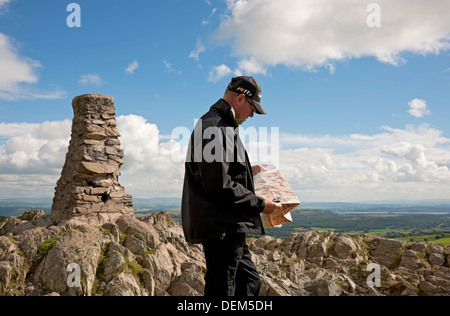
(270, 183)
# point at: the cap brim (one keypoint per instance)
(259, 108)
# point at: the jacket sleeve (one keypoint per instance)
(219, 179)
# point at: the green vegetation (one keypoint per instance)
(439, 238)
(435, 227)
(45, 247)
(135, 267)
(367, 223)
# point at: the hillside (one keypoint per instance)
(150, 257)
(386, 225)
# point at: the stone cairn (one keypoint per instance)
(89, 189)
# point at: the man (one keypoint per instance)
(219, 205)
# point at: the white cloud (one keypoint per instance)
(149, 169)
(19, 73)
(408, 163)
(15, 69)
(26, 93)
(91, 79)
(251, 66)
(3, 4)
(413, 164)
(218, 73)
(8, 130)
(132, 67)
(141, 140)
(418, 108)
(200, 48)
(170, 68)
(315, 33)
(213, 12)
(38, 147)
(33, 94)
(421, 134)
(33, 156)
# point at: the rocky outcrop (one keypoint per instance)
(89, 189)
(128, 257)
(326, 263)
(132, 257)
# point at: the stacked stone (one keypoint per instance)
(89, 188)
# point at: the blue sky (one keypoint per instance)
(362, 111)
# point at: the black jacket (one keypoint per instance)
(218, 195)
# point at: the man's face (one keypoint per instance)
(244, 108)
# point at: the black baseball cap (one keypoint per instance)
(250, 88)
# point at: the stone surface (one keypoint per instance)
(89, 189)
(149, 256)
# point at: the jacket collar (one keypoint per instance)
(225, 110)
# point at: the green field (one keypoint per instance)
(439, 239)
(374, 232)
(410, 227)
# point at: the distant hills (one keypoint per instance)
(158, 200)
(27, 200)
(393, 207)
(16, 206)
(156, 204)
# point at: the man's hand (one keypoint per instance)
(271, 206)
(258, 168)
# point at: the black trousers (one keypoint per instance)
(230, 269)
